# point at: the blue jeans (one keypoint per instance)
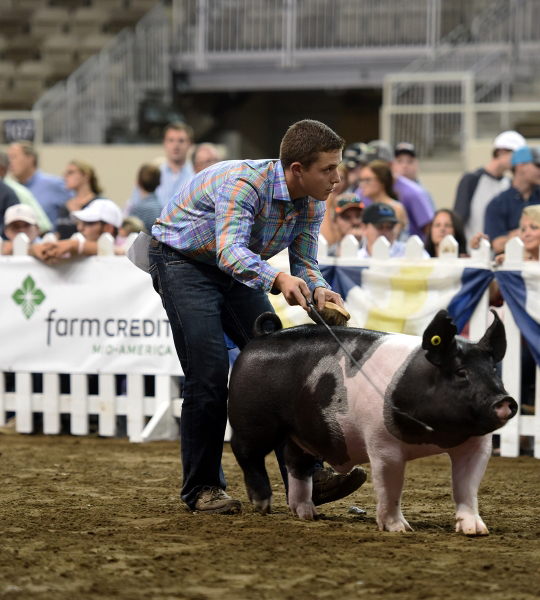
(202, 302)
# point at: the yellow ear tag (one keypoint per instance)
(435, 340)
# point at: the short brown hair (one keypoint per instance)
(304, 141)
(149, 178)
(179, 126)
(28, 149)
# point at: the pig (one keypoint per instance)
(412, 397)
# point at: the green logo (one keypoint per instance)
(28, 297)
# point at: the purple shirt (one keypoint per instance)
(416, 203)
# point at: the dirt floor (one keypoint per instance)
(101, 518)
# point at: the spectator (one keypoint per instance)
(476, 190)
(504, 212)
(529, 233)
(410, 194)
(379, 219)
(148, 208)
(80, 178)
(49, 190)
(176, 170)
(445, 222)
(406, 164)
(20, 218)
(24, 195)
(131, 225)
(354, 160)
(376, 183)
(348, 219)
(100, 216)
(204, 155)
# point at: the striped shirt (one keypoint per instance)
(238, 214)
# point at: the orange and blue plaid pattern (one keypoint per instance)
(237, 215)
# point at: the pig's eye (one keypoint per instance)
(462, 373)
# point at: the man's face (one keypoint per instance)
(176, 145)
(17, 227)
(406, 165)
(504, 157)
(531, 173)
(205, 157)
(91, 231)
(350, 221)
(320, 178)
(371, 232)
(20, 165)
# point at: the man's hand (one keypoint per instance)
(322, 295)
(294, 289)
(474, 242)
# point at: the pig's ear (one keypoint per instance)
(439, 339)
(494, 340)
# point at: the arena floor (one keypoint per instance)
(101, 518)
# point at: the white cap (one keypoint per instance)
(20, 212)
(100, 210)
(509, 140)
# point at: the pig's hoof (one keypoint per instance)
(263, 506)
(471, 526)
(395, 525)
(306, 511)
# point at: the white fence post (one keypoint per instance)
(349, 246)
(107, 405)
(414, 248)
(24, 414)
(135, 406)
(479, 318)
(79, 404)
(381, 248)
(105, 245)
(51, 403)
(21, 244)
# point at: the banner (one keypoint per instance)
(94, 315)
(521, 291)
(400, 296)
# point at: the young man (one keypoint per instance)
(380, 219)
(476, 190)
(100, 216)
(204, 155)
(504, 211)
(148, 209)
(20, 218)
(50, 191)
(208, 263)
(406, 164)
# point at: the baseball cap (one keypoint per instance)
(378, 212)
(100, 210)
(380, 150)
(20, 212)
(509, 140)
(405, 148)
(526, 155)
(346, 201)
(354, 155)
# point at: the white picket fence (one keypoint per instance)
(156, 417)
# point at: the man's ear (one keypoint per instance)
(439, 339)
(296, 169)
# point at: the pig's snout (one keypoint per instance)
(505, 408)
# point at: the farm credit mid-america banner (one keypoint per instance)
(94, 315)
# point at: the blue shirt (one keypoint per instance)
(50, 192)
(147, 210)
(504, 211)
(171, 183)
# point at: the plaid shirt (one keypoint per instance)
(238, 214)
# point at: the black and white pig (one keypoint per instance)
(413, 397)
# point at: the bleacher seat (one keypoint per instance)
(7, 70)
(92, 44)
(49, 20)
(30, 5)
(124, 18)
(31, 76)
(87, 20)
(3, 45)
(14, 21)
(110, 4)
(22, 47)
(60, 52)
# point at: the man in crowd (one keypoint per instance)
(176, 170)
(348, 219)
(204, 155)
(148, 208)
(49, 190)
(410, 194)
(24, 195)
(406, 164)
(504, 211)
(20, 218)
(7, 199)
(476, 190)
(379, 219)
(208, 261)
(98, 217)
(354, 159)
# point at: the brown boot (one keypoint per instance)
(329, 486)
(213, 500)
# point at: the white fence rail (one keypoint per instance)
(155, 417)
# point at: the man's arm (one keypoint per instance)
(499, 243)
(496, 226)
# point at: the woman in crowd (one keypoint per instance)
(445, 222)
(529, 231)
(81, 178)
(376, 183)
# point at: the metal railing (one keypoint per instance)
(106, 89)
